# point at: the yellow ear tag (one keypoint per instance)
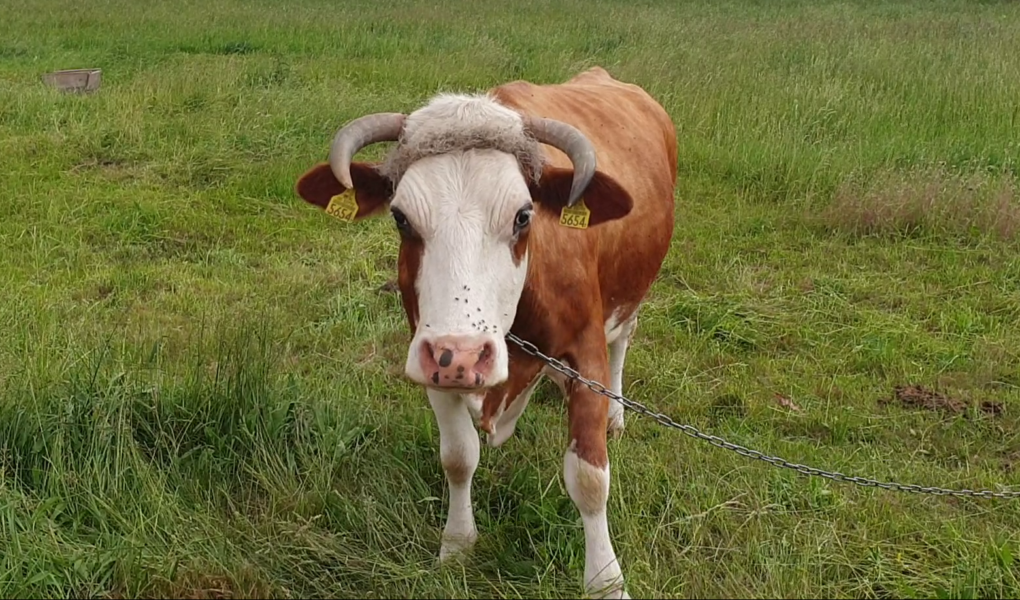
(343, 206)
(575, 216)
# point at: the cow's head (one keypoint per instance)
(463, 185)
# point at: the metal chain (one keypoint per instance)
(747, 452)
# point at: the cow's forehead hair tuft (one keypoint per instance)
(459, 122)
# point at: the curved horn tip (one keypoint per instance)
(344, 177)
(358, 133)
(572, 142)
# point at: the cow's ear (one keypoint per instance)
(605, 199)
(320, 187)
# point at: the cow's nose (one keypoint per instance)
(457, 361)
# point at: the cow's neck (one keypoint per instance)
(543, 311)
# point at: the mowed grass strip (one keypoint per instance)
(201, 380)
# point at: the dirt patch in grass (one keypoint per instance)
(991, 407)
(917, 396)
(1010, 460)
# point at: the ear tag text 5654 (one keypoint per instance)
(343, 206)
(575, 216)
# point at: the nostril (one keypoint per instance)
(487, 352)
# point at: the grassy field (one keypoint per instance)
(201, 379)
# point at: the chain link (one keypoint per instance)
(747, 452)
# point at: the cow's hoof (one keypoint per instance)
(455, 548)
(612, 588)
(613, 593)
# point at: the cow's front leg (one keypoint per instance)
(458, 452)
(586, 473)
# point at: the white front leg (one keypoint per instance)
(458, 452)
(588, 487)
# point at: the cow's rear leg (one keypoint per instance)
(617, 358)
(458, 452)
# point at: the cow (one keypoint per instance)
(545, 210)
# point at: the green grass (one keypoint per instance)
(201, 388)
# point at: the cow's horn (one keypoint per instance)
(369, 129)
(571, 142)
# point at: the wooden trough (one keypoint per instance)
(75, 80)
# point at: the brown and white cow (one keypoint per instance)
(476, 185)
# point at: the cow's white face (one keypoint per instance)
(465, 169)
(464, 219)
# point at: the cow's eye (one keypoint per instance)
(522, 220)
(400, 219)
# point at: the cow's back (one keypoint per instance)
(635, 143)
